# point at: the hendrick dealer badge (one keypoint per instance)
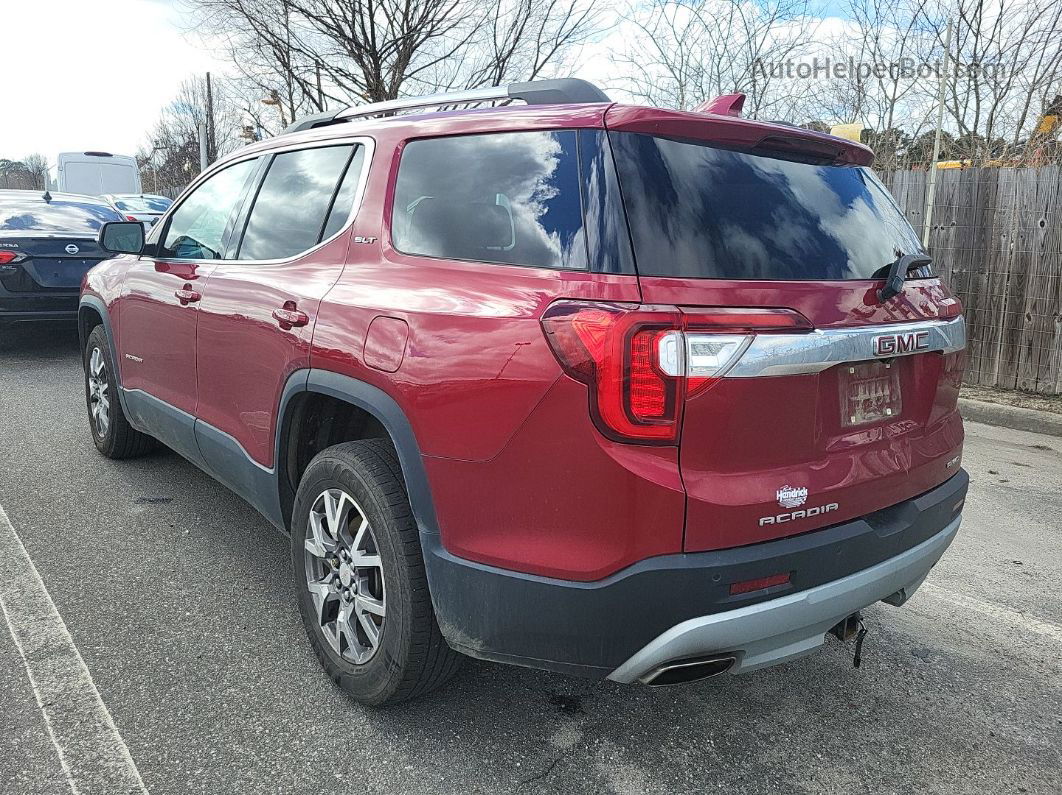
(792, 497)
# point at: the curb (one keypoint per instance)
(1011, 417)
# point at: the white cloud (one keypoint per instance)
(89, 74)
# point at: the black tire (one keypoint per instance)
(115, 438)
(411, 657)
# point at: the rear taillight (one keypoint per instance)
(130, 218)
(641, 362)
(614, 350)
(7, 256)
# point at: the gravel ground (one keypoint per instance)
(1012, 397)
(177, 596)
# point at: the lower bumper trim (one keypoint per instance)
(790, 626)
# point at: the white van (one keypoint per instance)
(97, 173)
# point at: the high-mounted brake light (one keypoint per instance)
(725, 105)
(641, 362)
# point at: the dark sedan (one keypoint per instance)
(144, 207)
(47, 243)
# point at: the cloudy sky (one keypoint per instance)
(93, 74)
(89, 74)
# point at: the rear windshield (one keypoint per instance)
(142, 204)
(702, 212)
(33, 214)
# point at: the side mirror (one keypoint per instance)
(121, 237)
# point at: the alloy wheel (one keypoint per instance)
(99, 392)
(344, 575)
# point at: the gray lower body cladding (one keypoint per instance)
(594, 628)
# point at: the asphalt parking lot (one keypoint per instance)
(176, 596)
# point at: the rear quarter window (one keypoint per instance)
(507, 198)
(697, 211)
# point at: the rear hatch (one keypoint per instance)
(822, 402)
(46, 262)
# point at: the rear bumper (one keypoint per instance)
(35, 306)
(677, 606)
(790, 626)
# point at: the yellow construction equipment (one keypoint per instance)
(1047, 128)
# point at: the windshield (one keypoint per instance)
(142, 204)
(33, 214)
(702, 212)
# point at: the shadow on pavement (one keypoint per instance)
(44, 340)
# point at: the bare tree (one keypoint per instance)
(272, 49)
(681, 52)
(30, 173)
(516, 40)
(170, 157)
(37, 167)
(1008, 65)
(887, 91)
(303, 55)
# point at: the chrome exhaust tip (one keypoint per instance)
(694, 669)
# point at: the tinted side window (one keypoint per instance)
(197, 227)
(608, 242)
(510, 198)
(292, 205)
(341, 207)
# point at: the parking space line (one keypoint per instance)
(93, 756)
(998, 612)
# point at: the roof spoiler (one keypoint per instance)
(563, 91)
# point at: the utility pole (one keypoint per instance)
(203, 161)
(931, 190)
(212, 149)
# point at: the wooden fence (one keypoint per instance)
(997, 242)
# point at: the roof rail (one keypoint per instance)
(563, 91)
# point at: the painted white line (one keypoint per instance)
(1019, 620)
(93, 755)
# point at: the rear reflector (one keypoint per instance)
(747, 586)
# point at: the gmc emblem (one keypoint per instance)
(898, 344)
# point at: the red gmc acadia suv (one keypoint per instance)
(615, 391)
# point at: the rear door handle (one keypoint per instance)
(290, 317)
(187, 295)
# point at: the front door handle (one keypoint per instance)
(289, 317)
(186, 295)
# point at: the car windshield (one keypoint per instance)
(142, 204)
(33, 214)
(697, 211)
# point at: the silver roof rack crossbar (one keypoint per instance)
(563, 91)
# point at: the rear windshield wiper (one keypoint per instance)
(898, 273)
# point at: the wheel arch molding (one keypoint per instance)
(378, 405)
(88, 306)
